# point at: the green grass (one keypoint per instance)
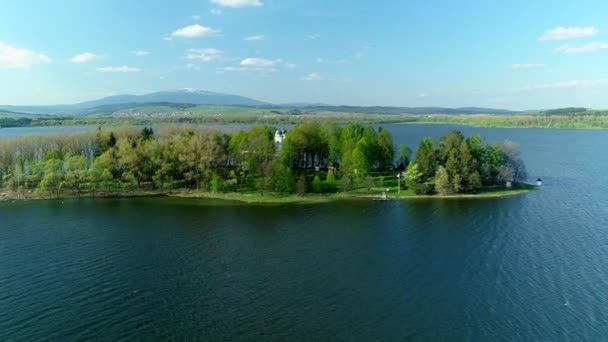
(374, 193)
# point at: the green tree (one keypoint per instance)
(386, 148)
(427, 160)
(442, 182)
(360, 165)
(405, 153)
(316, 184)
(330, 180)
(413, 176)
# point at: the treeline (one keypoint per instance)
(583, 120)
(458, 165)
(313, 157)
(14, 122)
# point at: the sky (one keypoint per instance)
(511, 54)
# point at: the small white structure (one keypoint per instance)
(539, 182)
(279, 136)
(509, 184)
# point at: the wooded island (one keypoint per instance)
(311, 158)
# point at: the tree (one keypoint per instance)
(147, 133)
(76, 173)
(426, 159)
(316, 184)
(330, 180)
(448, 143)
(442, 182)
(414, 178)
(216, 183)
(360, 165)
(512, 161)
(405, 154)
(301, 186)
(386, 148)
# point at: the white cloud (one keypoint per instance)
(84, 57)
(215, 11)
(315, 76)
(140, 53)
(257, 70)
(564, 33)
(260, 62)
(204, 55)
(232, 69)
(123, 68)
(194, 31)
(589, 47)
(192, 66)
(255, 38)
(526, 66)
(196, 17)
(291, 65)
(423, 95)
(565, 84)
(12, 57)
(312, 36)
(237, 3)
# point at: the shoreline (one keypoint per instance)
(258, 198)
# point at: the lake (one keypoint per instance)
(528, 267)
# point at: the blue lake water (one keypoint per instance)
(526, 268)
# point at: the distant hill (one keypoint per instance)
(184, 96)
(187, 98)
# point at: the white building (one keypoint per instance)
(279, 136)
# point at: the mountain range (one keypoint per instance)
(189, 97)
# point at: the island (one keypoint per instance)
(312, 161)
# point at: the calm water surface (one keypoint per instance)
(530, 267)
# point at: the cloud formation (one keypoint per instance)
(260, 62)
(565, 33)
(589, 47)
(255, 38)
(123, 68)
(194, 31)
(204, 55)
(518, 66)
(315, 76)
(84, 57)
(215, 11)
(13, 58)
(237, 3)
(140, 53)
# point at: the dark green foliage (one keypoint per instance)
(463, 166)
(316, 184)
(247, 161)
(427, 159)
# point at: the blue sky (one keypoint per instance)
(512, 54)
